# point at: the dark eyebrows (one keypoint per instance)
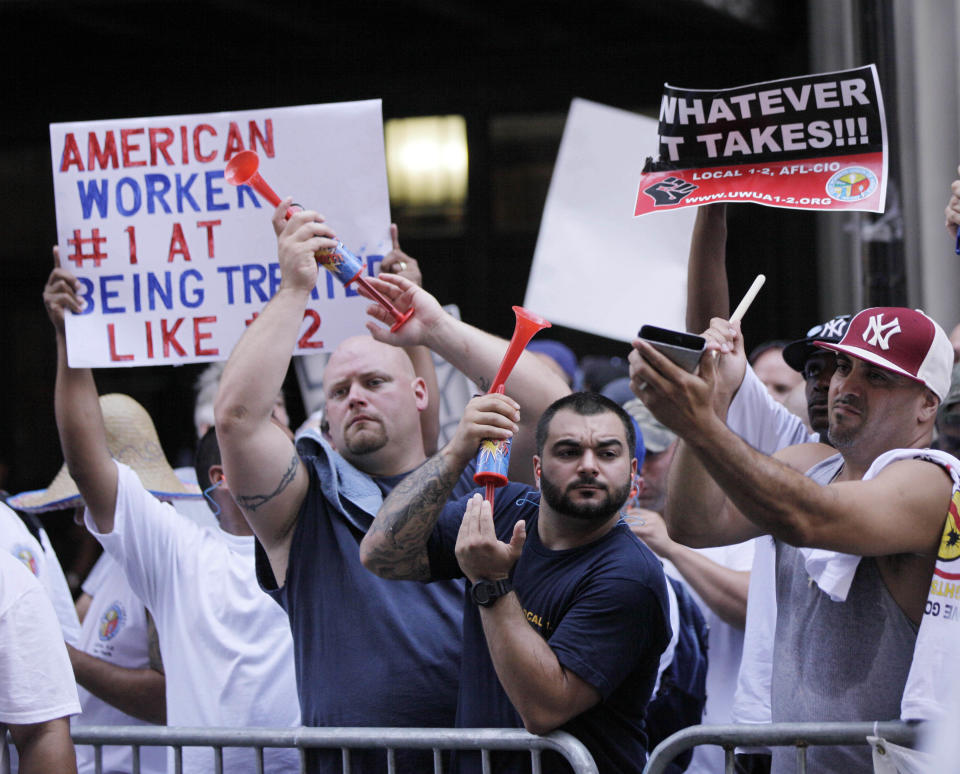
(603, 444)
(610, 442)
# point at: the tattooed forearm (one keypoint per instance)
(396, 544)
(384, 562)
(252, 502)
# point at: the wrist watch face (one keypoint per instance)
(482, 593)
(485, 592)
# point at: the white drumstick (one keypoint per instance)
(751, 294)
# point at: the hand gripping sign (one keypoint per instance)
(816, 142)
(172, 261)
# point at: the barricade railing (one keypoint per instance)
(799, 735)
(389, 740)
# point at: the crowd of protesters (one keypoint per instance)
(353, 574)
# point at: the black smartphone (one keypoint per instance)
(684, 349)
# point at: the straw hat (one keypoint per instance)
(132, 440)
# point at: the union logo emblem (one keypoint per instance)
(111, 622)
(852, 184)
(25, 555)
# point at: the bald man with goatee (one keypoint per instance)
(369, 652)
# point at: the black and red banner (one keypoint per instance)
(815, 142)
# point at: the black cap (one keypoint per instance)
(796, 353)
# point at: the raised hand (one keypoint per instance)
(953, 208)
(403, 294)
(493, 416)
(298, 240)
(650, 528)
(399, 263)
(725, 337)
(60, 293)
(684, 402)
(480, 554)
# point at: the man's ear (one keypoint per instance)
(216, 474)
(928, 406)
(421, 393)
(536, 470)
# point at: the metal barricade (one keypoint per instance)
(799, 735)
(389, 740)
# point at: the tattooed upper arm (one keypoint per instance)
(270, 496)
(254, 501)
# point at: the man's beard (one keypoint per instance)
(367, 440)
(594, 510)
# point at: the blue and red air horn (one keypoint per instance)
(339, 261)
(493, 458)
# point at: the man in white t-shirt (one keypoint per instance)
(767, 425)
(116, 660)
(228, 652)
(718, 577)
(38, 556)
(37, 691)
(119, 672)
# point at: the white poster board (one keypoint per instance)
(597, 268)
(175, 262)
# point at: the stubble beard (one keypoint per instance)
(843, 435)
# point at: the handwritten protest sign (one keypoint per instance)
(596, 268)
(816, 142)
(174, 263)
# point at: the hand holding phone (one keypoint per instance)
(683, 349)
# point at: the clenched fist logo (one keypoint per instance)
(669, 191)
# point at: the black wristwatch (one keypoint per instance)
(485, 592)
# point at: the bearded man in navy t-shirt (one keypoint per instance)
(566, 614)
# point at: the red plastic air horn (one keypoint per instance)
(493, 458)
(243, 168)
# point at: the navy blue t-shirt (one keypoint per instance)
(368, 651)
(602, 607)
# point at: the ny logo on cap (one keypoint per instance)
(879, 332)
(834, 328)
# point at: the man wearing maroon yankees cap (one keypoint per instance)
(878, 495)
